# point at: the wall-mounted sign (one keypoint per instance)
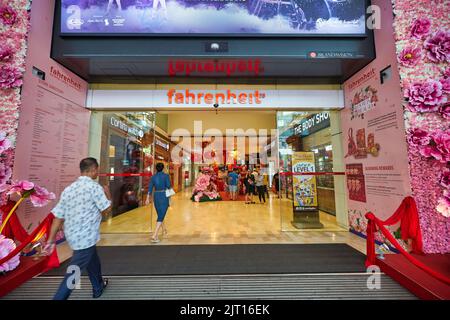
(209, 98)
(184, 99)
(313, 124)
(116, 123)
(330, 55)
(162, 144)
(227, 68)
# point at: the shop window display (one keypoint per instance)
(126, 157)
(305, 162)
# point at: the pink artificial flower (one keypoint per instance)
(444, 178)
(443, 206)
(447, 73)
(5, 144)
(202, 182)
(428, 151)
(10, 77)
(409, 56)
(8, 15)
(7, 157)
(419, 137)
(198, 196)
(5, 174)
(442, 141)
(445, 110)
(7, 246)
(445, 85)
(438, 46)
(6, 53)
(211, 195)
(21, 187)
(40, 197)
(425, 97)
(420, 28)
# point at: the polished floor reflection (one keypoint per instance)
(224, 222)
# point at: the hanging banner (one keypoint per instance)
(304, 186)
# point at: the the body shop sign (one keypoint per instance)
(313, 124)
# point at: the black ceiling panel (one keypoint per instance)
(149, 59)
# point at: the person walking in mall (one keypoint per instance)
(266, 183)
(160, 182)
(80, 210)
(249, 183)
(233, 179)
(260, 187)
(276, 184)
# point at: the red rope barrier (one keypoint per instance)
(124, 174)
(408, 216)
(312, 173)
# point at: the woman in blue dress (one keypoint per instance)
(160, 182)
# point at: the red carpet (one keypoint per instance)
(415, 279)
(27, 269)
(225, 196)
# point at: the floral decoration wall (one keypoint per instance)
(14, 28)
(423, 48)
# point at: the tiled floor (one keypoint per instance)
(222, 222)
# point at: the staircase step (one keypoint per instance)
(274, 286)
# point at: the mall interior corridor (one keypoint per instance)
(216, 219)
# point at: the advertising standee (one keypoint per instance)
(304, 188)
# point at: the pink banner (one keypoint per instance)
(54, 124)
(374, 134)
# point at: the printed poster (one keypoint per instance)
(304, 186)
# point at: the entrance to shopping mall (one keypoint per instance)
(295, 154)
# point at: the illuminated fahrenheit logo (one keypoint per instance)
(209, 98)
(224, 67)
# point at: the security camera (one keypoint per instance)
(215, 105)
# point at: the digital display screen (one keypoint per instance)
(213, 17)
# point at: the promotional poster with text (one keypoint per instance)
(292, 17)
(374, 148)
(304, 186)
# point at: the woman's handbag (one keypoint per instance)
(170, 192)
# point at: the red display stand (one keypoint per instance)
(416, 280)
(28, 268)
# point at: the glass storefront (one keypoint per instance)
(306, 177)
(299, 164)
(125, 149)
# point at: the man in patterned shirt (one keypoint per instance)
(80, 210)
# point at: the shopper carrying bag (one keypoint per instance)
(163, 191)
